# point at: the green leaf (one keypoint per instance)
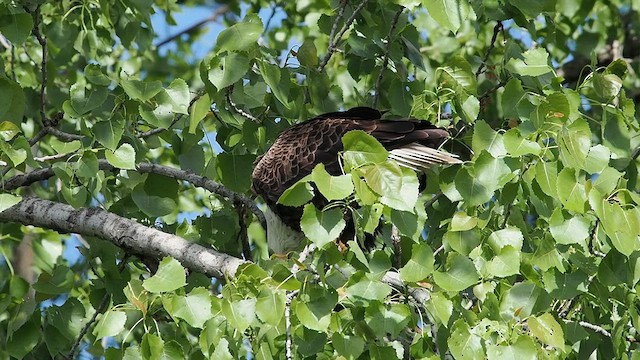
(279, 84)
(298, 194)
(65, 147)
(12, 101)
(270, 306)
(518, 146)
(170, 276)
(440, 307)
(463, 241)
(420, 265)
(565, 286)
(152, 205)
(308, 54)
(123, 158)
(575, 141)
(597, 159)
(448, 13)
(8, 130)
(546, 175)
(348, 346)
(522, 300)
(460, 273)
(322, 227)
(568, 229)
(83, 100)
(235, 171)
(535, 63)
(477, 184)
(511, 236)
(221, 351)
(56, 283)
(24, 339)
(141, 90)
(607, 180)
(178, 96)
(505, 263)
(387, 319)
(332, 187)
(485, 138)
(464, 344)
(109, 132)
(226, 70)
(160, 117)
(571, 192)
(531, 9)
(240, 314)
(111, 323)
(458, 75)
(511, 97)
(546, 328)
(194, 308)
(365, 290)
(606, 86)
(462, 222)
(240, 36)
(16, 27)
(199, 110)
(523, 349)
(397, 187)
(94, 74)
(361, 148)
(8, 200)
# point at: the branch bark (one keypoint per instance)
(125, 233)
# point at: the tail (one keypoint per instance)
(419, 157)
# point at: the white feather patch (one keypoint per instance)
(419, 157)
(281, 238)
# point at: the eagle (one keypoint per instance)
(413, 143)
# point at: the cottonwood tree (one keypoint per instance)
(141, 149)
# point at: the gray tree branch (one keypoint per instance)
(125, 233)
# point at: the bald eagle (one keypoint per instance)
(412, 143)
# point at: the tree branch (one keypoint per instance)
(197, 180)
(333, 41)
(385, 62)
(43, 67)
(127, 234)
(494, 37)
(219, 11)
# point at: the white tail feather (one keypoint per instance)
(419, 157)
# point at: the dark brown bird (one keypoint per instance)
(412, 143)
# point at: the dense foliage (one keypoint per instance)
(531, 248)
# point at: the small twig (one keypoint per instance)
(333, 41)
(52, 157)
(591, 326)
(435, 198)
(237, 109)
(101, 307)
(13, 62)
(242, 234)
(274, 9)
(636, 153)
(64, 136)
(287, 324)
(221, 10)
(488, 93)
(385, 62)
(43, 44)
(496, 31)
(397, 250)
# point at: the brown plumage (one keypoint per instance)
(299, 149)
